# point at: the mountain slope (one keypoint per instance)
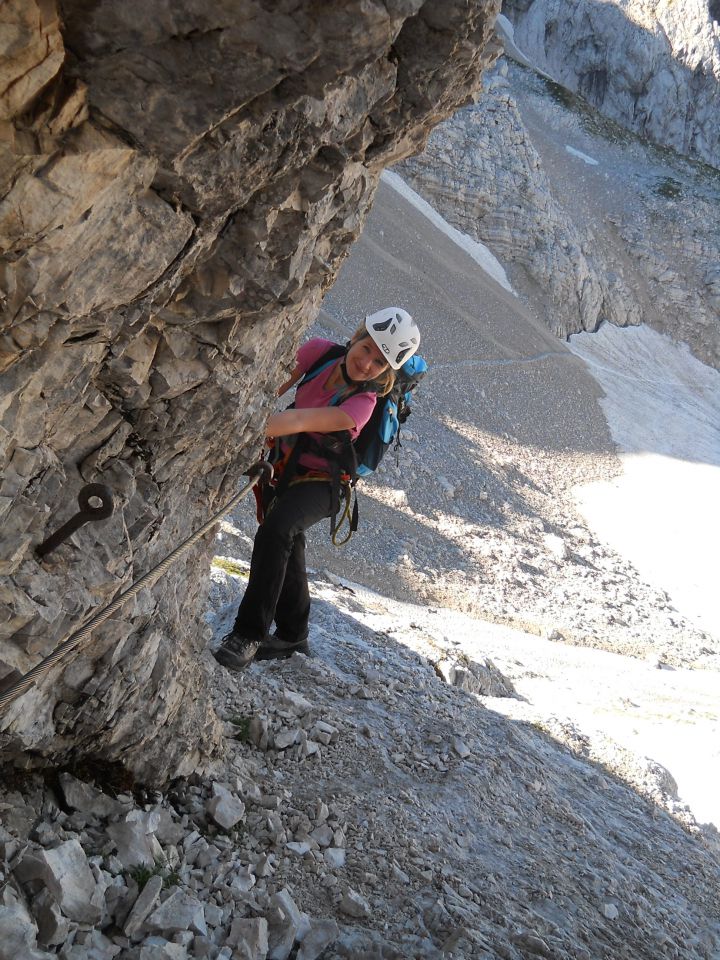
(482, 515)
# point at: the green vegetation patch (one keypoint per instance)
(668, 187)
(243, 727)
(230, 566)
(161, 868)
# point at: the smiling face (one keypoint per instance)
(364, 360)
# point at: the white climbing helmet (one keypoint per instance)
(395, 332)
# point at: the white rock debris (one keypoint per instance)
(434, 821)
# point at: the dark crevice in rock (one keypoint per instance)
(82, 337)
(123, 136)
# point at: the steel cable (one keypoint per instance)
(21, 686)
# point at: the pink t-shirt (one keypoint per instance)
(314, 394)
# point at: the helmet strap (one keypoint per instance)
(346, 378)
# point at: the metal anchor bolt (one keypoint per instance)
(90, 509)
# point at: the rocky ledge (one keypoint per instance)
(375, 805)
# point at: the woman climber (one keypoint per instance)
(335, 398)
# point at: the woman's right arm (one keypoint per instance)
(309, 420)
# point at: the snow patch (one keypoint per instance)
(582, 156)
(663, 409)
(506, 32)
(478, 251)
(503, 24)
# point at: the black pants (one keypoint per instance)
(278, 588)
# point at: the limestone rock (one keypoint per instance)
(532, 943)
(53, 927)
(610, 911)
(69, 879)
(33, 54)
(178, 194)
(296, 703)
(178, 912)
(18, 932)
(322, 934)
(354, 905)
(142, 907)
(286, 738)
(481, 678)
(156, 948)
(334, 857)
(87, 799)
(286, 924)
(133, 840)
(225, 808)
(249, 938)
(242, 881)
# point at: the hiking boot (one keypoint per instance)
(236, 652)
(273, 648)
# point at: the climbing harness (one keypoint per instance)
(336, 448)
(260, 471)
(341, 502)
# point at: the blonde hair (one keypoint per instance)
(385, 381)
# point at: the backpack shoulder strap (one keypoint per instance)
(332, 354)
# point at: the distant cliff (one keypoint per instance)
(653, 67)
(618, 231)
(180, 186)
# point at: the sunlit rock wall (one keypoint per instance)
(180, 183)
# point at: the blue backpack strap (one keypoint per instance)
(315, 370)
(331, 355)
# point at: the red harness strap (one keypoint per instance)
(278, 471)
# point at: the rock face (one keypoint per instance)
(179, 189)
(654, 67)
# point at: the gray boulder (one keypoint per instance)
(18, 932)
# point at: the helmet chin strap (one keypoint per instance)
(346, 378)
(343, 367)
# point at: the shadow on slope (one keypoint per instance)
(540, 841)
(626, 71)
